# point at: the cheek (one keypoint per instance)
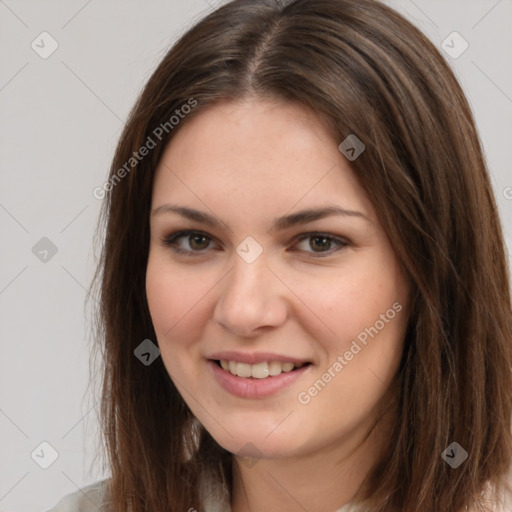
(171, 295)
(162, 298)
(175, 304)
(367, 309)
(361, 360)
(356, 300)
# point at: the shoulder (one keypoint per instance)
(91, 498)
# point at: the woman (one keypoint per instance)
(299, 216)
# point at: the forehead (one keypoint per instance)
(254, 150)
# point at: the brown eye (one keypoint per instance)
(318, 244)
(198, 242)
(188, 242)
(195, 243)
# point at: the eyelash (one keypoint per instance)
(170, 241)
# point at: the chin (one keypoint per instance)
(255, 443)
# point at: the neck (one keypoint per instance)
(324, 479)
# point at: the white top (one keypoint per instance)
(93, 498)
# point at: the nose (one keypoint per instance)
(252, 299)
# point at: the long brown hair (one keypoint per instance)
(364, 70)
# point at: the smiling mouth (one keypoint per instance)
(261, 370)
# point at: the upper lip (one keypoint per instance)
(255, 357)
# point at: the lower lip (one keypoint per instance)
(255, 388)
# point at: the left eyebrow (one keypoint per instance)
(281, 223)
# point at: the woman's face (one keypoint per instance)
(283, 262)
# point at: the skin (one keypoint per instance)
(249, 162)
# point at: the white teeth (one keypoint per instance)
(275, 368)
(288, 367)
(259, 370)
(243, 370)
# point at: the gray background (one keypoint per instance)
(61, 118)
